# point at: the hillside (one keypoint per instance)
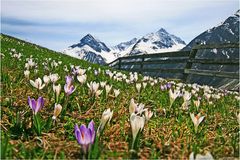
(171, 128)
(226, 32)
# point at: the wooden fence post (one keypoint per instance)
(189, 64)
(141, 65)
(119, 63)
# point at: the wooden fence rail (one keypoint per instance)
(188, 58)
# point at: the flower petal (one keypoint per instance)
(77, 133)
(92, 131)
(33, 83)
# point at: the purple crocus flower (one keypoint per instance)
(169, 85)
(85, 136)
(36, 105)
(68, 87)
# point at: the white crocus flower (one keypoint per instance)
(132, 106)
(135, 108)
(93, 87)
(103, 84)
(144, 85)
(97, 93)
(137, 124)
(173, 95)
(31, 63)
(57, 89)
(37, 83)
(208, 96)
(27, 73)
(27, 66)
(46, 79)
(138, 87)
(196, 119)
(57, 111)
(54, 77)
(80, 71)
(207, 156)
(216, 96)
(106, 117)
(148, 114)
(186, 97)
(82, 78)
(140, 109)
(116, 92)
(197, 103)
(108, 89)
(238, 118)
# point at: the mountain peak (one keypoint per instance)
(237, 13)
(92, 42)
(88, 38)
(162, 30)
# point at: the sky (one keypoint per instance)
(57, 24)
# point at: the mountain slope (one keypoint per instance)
(160, 41)
(90, 49)
(226, 32)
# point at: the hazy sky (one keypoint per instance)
(57, 24)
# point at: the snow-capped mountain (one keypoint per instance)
(160, 41)
(124, 48)
(124, 45)
(93, 50)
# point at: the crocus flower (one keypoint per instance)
(187, 96)
(144, 84)
(106, 117)
(68, 87)
(35, 105)
(81, 71)
(138, 87)
(196, 119)
(137, 124)
(97, 93)
(135, 108)
(46, 79)
(238, 118)
(57, 111)
(173, 95)
(197, 103)
(108, 89)
(85, 136)
(186, 100)
(103, 84)
(54, 77)
(27, 73)
(168, 85)
(93, 87)
(132, 106)
(163, 87)
(82, 78)
(57, 89)
(37, 84)
(116, 92)
(207, 156)
(148, 114)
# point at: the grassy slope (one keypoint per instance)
(165, 136)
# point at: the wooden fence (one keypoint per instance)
(187, 57)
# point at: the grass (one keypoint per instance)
(169, 133)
